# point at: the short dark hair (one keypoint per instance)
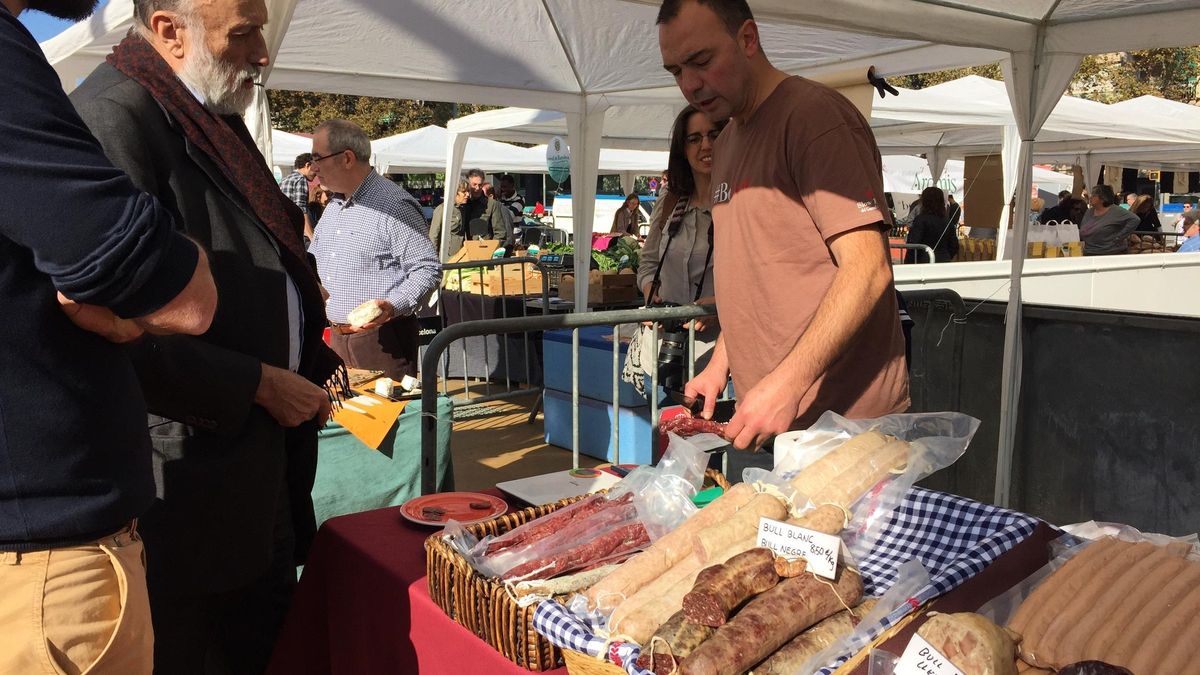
(507, 177)
(1064, 194)
(476, 173)
(1105, 193)
(681, 181)
(303, 159)
(733, 13)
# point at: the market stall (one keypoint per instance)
(831, 561)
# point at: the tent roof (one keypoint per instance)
(541, 53)
(286, 147)
(967, 116)
(424, 150)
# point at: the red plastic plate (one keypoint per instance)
(457, 506)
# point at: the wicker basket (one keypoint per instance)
(483, 607)
(582, 664)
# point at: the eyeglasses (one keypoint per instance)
(316, 158)
(695, 139)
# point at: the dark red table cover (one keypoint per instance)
(363, 608)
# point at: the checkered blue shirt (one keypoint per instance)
(374, 245)
(295, 186)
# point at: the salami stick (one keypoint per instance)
(663, 554)
(769, 621)
(720, 589)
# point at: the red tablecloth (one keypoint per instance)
(363, 608)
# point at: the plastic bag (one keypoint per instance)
(1067, 232)
(597, 530)
(911, 577)
(936, 441)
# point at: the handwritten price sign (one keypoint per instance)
(920, 658)
(819, 549)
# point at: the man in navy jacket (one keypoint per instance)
(86, 262)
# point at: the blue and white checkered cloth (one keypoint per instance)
(955, 538)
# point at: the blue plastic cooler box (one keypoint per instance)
(595, 365)
(595, 428)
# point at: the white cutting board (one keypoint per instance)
(552, 487)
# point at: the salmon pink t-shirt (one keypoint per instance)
(803, 169)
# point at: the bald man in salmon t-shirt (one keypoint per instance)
(803, 278)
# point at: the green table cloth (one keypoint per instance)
(352, 477)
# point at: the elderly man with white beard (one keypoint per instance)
(234, 412)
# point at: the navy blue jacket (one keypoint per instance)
(74, 451)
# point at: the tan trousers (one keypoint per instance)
(76, 610)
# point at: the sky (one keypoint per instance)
(44, 26)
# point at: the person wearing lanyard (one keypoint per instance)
(371, 247)
(804, 284)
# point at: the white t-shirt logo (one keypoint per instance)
(721, 194)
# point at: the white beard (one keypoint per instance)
(220, 84)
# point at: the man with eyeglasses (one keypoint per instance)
(235, 412)
(803, 279)
(372, 249)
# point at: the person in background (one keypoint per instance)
(483, 216)
(1191, 230)
(809, 318)
(1143, 208)
(511, 200)
(88, 262)
(1128, 199)
(296, 186)
(318, 199)
(663, 184)
(513, 231)
(1060, 211)
(371, 247)
(234, 412)
(953, 211)
(1105, 230)
(934, 228)
(626, 221)
(676, 263)
(455, 233)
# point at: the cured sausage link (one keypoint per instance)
(769, 621)
(720, 589)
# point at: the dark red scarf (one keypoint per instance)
(227, 142)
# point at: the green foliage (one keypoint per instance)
(1171, 73)
(1166, 73)
(302, 111)
(922, 80)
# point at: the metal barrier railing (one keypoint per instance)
(527, 324)
(914, 247)
(544, 292)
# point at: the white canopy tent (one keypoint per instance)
(424, 151)
(285, 147)
(971, 116)
(583, 56)
(909, 174)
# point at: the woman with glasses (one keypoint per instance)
(676, 264)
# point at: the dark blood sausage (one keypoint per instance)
(554, 522)
(671, 643)
(1093, 668)
(480, 506)
(617, 540)
(720, 589)
(769, 621)
(691, 426)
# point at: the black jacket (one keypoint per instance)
(223, 466)
(939, 233)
